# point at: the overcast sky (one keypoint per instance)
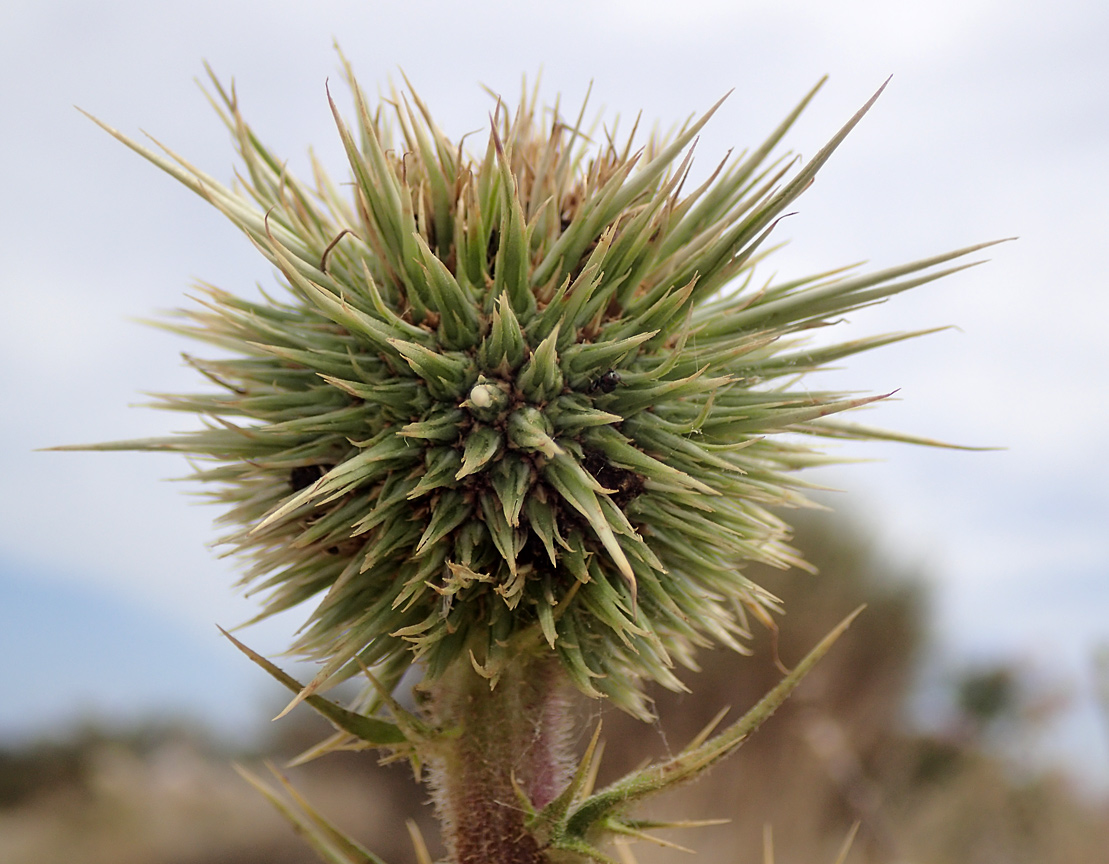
(995, 123)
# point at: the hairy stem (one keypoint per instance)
(510, 739)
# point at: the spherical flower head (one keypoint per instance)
(527, 402)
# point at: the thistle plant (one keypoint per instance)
(516, 417)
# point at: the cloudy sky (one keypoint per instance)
(995, 123)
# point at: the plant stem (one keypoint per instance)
(512, 738)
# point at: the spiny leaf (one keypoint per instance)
(691, 762)
(372, 730)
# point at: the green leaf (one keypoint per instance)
(529, 430)
(504, 349)
(578, 488)
(448, 374)
(372, 730)
(512, 479)
(693, 761)
(448, 512)
(483, 443)
(540, 379)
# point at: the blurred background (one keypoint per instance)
(974, 677)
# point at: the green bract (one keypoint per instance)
(531, 401)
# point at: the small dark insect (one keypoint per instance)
(606, 383)
(304, 476)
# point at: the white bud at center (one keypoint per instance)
(481, 396)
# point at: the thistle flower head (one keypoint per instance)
(526, 400)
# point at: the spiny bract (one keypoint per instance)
(513, 403)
